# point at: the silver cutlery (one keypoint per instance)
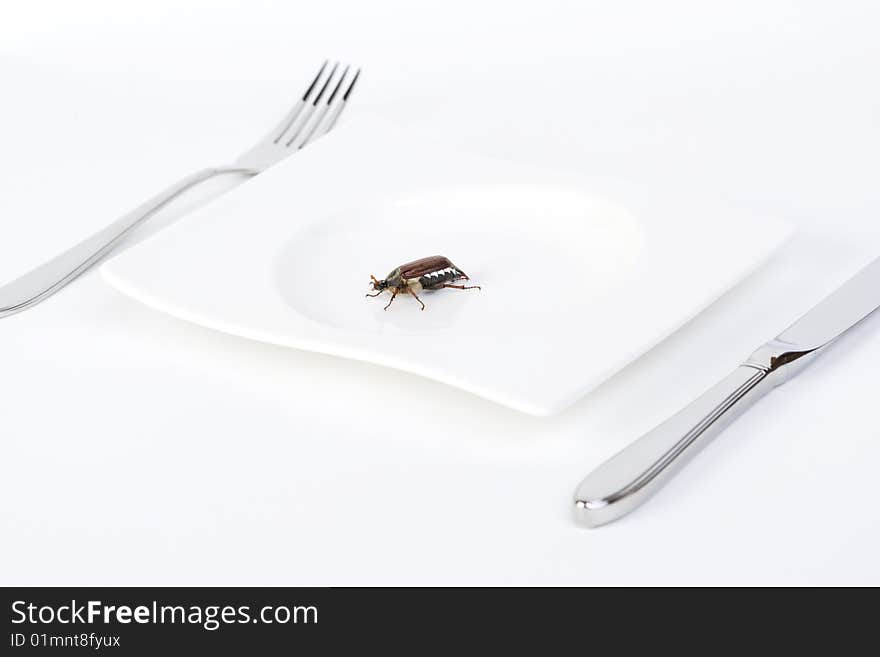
(313, 115)
(630, 477)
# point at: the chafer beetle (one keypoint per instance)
(431, 273)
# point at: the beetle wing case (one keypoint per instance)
(418, 268)
(431, 272)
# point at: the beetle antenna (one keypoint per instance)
(373, 278)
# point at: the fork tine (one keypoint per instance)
(310, 108)
(326, 83)
(338, 85)
(334, 115)
(323, 111)
(291, 117)
(351, 86)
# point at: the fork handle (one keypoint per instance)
(43, 281)
(630, 477)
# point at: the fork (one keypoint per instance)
(309, 118)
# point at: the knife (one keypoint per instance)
(630, 477)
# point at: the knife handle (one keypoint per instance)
(631, 476)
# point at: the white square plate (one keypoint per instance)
(579, 276)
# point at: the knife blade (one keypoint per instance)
(839, 311)
(629, 478)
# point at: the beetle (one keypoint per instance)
(431, 273)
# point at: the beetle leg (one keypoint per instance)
(392, 299)
(463, 287)
(374, 295)
(417, 298)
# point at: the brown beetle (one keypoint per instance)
(431, 273)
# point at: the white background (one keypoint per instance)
(138, 449)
